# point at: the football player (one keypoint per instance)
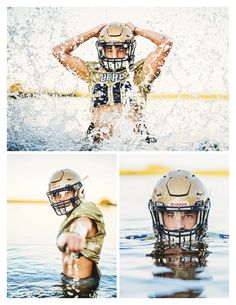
(81, 234)
(116, 80)
(179, 208)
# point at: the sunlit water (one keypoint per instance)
(34, 262)
(141, 276)
(60, 123)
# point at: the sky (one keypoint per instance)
(29, 174)
(185, 160)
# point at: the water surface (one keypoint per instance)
(34, 262)
(60, 123)
(142, 275)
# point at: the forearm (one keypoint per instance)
(71, 44)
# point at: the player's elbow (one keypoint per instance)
(168, 43)
(57, 52)
(166, 46)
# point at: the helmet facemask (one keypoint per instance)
(120, 36)
(64, 206)
(180, 235)
(179, 208)
(116, 64)
(181, 256)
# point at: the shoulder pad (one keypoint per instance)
(138, 65)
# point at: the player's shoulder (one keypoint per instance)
(138, 65)
(87, 209)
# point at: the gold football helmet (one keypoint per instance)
(179, 193)
(118, 35)
(65, 191)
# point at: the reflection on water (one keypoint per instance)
(181, 263)
(34, 262)
(154, 270)
(148, 272)
(53, 123)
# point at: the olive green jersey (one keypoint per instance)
(116, 87)
(93, 244)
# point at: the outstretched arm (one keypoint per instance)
(75, 240)
(156, 59)
(63, 52)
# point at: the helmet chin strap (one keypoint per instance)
(69, 209)
(115, 65)
(180, 240)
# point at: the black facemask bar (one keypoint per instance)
(63, 207)
(116, 64)
(180, 236)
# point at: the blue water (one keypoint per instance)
(34, 271)
(47, 123)
(141, 275)
(34, 263)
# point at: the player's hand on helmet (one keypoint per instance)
(131, 26)
(98, 29)
(71, 242)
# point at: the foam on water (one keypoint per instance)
(60, 123)
(197, 64)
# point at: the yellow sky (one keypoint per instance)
(29, 174)
(193, 161)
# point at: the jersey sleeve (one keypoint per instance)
(94, 244)
(139, 78)
(89, 210)
(92, 66)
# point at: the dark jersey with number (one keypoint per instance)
(109, 88)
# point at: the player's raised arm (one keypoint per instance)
(156, 59)
(63, 52)
(75, 240)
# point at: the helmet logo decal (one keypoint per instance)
(179, 203)
(55, 186)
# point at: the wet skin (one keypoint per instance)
(184, 220)
(115, 52)
(73, 242)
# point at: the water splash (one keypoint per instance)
(60, 123)
(197, 63)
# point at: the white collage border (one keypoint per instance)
(4, 153)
